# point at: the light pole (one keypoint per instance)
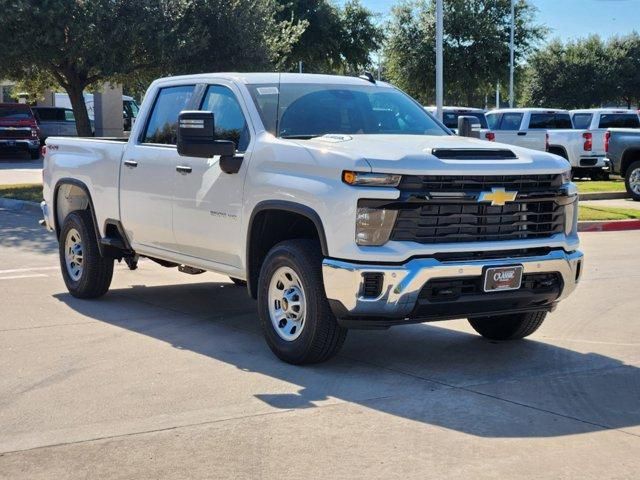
(511, 48)
(439, 66)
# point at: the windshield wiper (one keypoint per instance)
(300, 137)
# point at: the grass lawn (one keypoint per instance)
(607, 213)
(589, 186)
(22, 191)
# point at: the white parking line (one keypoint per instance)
(33, 269)
(34, 275)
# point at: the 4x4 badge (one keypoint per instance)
(497, 196)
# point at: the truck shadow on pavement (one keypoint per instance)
(425, 373)
(30, 237)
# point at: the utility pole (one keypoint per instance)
(511, 48)
(439, 65)
(300, 66)
(498, 94)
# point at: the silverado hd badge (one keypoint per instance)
(497, 196)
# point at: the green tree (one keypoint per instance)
(78, 43)
(334, 39)
(624, 66)
(476, 46)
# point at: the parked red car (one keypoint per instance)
(19, 129)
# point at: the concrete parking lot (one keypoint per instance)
(168, 376)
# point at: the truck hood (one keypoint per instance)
(413, 155)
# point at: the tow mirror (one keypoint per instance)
(196, 136)
(468, 126)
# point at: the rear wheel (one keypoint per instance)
(86, 273)
(296, 319)
(632, 180)
(508, 327)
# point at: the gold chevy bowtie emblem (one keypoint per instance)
(497, 196)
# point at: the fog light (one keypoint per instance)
(373, 226)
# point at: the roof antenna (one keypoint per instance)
(368, 77)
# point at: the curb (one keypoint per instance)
(20, 205)
(608, 226)
(603, 195)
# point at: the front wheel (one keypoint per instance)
(86, 273)
(632, 180)
(295, 316)
(508, 327)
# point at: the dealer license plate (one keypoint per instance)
(502, 278)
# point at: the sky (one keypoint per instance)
(569, 19)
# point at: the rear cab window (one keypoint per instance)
(15, 112)
(550, 121)
(619, 120)
(510, 121)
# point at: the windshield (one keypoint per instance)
(15, 113)
(296, 110)
(550, 121)
(450, 119)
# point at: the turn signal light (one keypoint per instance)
(490, 136)
(607, 139)
(588, 141)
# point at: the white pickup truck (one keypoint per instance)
(552, 130)
(338, 200)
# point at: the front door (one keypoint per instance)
(207, 202)
(148, 173)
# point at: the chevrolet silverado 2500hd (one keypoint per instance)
(339, 201)
(623, 150)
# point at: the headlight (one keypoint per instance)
(374, 225)
(371, 179)
(570, 216)
(566, 176)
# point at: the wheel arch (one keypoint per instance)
(302, 222)
(629, 156)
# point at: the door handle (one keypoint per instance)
(131, 163)
(522, 134)
(183, 169)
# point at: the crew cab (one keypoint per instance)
(55, 122)
(582, 148)
(338, 200)
(18, 129)
(623, 150)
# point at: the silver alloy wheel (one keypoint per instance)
(73, 254)
(287, 304)
(634, 181)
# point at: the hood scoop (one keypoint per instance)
(473, 154)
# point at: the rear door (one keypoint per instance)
(507, 129)
(207, 202)
(148, 172)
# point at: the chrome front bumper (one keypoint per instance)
(401, 284)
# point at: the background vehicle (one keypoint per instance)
(339, 200)
(130, 107)
(511, 126)
(450, 116)
(583, 149)
(623, 150)
(18, 129)
(600, 119)
(55, 122)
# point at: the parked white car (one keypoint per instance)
(582, 148)
(338, 200)
(600, 119)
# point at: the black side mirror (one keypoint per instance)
(468, 126)
(196, 136)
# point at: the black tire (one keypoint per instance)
(635, 166)
(508, 327)
(97, 271)
(238, 282)
(321, 337)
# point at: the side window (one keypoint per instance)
(227, 115)
(510, 121)
(68, 116)
(163, 122)
(493, 120)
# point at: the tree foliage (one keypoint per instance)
(334, 39)
(585, 73)
(476, 46)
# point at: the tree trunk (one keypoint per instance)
(83, 125)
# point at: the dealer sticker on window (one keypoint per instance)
(502, 278)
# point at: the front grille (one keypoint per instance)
(445, 208)
(15, 133)
(445, 289)
(477, 183)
